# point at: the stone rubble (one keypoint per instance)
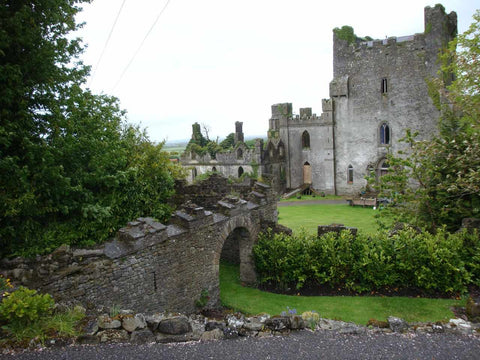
(165, 328)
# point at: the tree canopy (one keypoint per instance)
(72, 170)
(437, 182)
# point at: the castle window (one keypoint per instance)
(240, 171)
(384, 87)
(384, 134)
(194, 173)
(350, 174)
(239, 153)
(214, 169)
(281, 151)
(306, 140)
(383, 167)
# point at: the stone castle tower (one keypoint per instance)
(378, 90)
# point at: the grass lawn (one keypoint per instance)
(311, 215)
(355, 309)
(313, 198)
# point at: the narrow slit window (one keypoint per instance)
(350, 174)
(384, 86)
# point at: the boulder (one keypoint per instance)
(143, 336)
(296, 322)
(129, 323)
(397, 324)
(235, 321)
(153, 321)
(175, 326)
(113, 336)
(106, 322)
(461, 326)
(279, 323)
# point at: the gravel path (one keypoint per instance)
(298, 345)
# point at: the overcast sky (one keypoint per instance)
(219, 61)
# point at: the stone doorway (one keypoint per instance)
(307, 173)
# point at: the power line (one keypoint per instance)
(141, 44)
(106, 43)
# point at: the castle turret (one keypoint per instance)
(239, 132)
(440, 29)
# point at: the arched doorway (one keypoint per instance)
(231, 248)
(307, 173)
(240, 171)
(235, 245)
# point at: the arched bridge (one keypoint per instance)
(150, 266)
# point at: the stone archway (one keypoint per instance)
(236, 242)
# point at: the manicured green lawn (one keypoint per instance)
(313, 198)
(358, 309)
(311, 215)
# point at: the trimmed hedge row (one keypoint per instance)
(444, 262)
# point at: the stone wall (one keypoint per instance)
(152, 266)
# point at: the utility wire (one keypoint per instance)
(141, 44)
(106, 43)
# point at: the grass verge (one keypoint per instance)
(357, 309)
(310, 216)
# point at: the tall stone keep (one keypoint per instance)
(379, 90)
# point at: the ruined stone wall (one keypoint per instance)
(149, 266)
(383, 81)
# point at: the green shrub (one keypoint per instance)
(25, 305)
(440, 262)
(26, 315)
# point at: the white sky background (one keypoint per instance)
(221, 61)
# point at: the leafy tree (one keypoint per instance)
(71, 169)
(437, 182)
(228, 142)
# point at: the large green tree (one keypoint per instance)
(437, 182)
(71, 169)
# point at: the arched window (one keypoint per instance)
(350, 174)
(240, 171)
(384, 134)
(271, 151)
(306, 140)
(214, 169)
(194, 173)
(281, 151)
(239, 153)
(382, 168)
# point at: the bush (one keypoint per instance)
(26, 315)
(25, 305)
(443, 262)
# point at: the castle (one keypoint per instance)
(379, 89)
